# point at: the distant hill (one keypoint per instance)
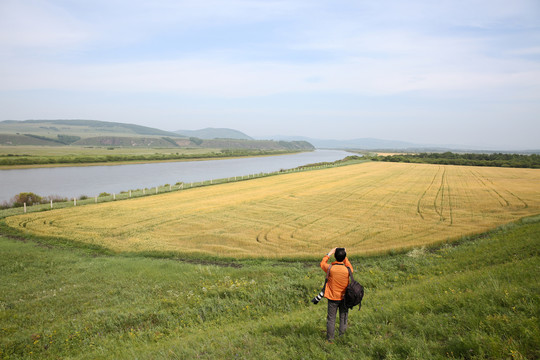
(81, 128)
(362, 143)
(215, 133)
(103, 133)
(256, 144)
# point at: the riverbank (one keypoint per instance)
(73, 181)
(12, 161)
(56, 203)
(134, 162)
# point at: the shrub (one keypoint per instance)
(26, 197)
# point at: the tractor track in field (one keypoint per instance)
(450, 207)
(440, 193)
(375, 208)
(444, 194)
(292, 221)
(372, 210)
(419, 203)
(525, 205)
(491, 189)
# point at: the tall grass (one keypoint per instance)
(477, 299)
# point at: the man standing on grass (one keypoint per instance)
(338, 279)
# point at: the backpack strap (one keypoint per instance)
(350, 273)
(328, 271)
(326, 280)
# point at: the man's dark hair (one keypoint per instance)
(340, 254)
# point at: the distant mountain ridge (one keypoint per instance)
(395, 145)
(104, 133)
(214, 133)
(113, 134)
(361, 143)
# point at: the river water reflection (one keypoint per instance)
(72, 182)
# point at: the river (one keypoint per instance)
(69, 182)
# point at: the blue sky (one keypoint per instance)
(430, 72)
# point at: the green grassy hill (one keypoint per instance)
(81, 128)
(477, 299)
(102, 133)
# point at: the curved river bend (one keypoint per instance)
(72, 182)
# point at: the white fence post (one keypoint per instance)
(114, 196)
(51, 204)
(74, 201)
(129, 193)
(25, 208)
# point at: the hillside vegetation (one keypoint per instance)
(110, 134)
(476, 300)
(449, 158)
(82, 128)
(369, 208)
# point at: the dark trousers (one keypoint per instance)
(333, 306)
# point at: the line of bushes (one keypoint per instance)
(449, 158)
(44, 160)
(29, 198)
(343, 161)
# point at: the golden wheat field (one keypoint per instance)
(368, 208)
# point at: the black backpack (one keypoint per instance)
(354, 292)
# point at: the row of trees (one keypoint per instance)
(337, 162)
(449, 158)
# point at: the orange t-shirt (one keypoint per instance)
(338, 278)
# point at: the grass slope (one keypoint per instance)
(17, 140)
(477, 300)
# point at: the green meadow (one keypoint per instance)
(477, 298)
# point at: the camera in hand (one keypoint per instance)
(317, 298)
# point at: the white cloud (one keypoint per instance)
(242, 51)
(219, 77)
(38, 24)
